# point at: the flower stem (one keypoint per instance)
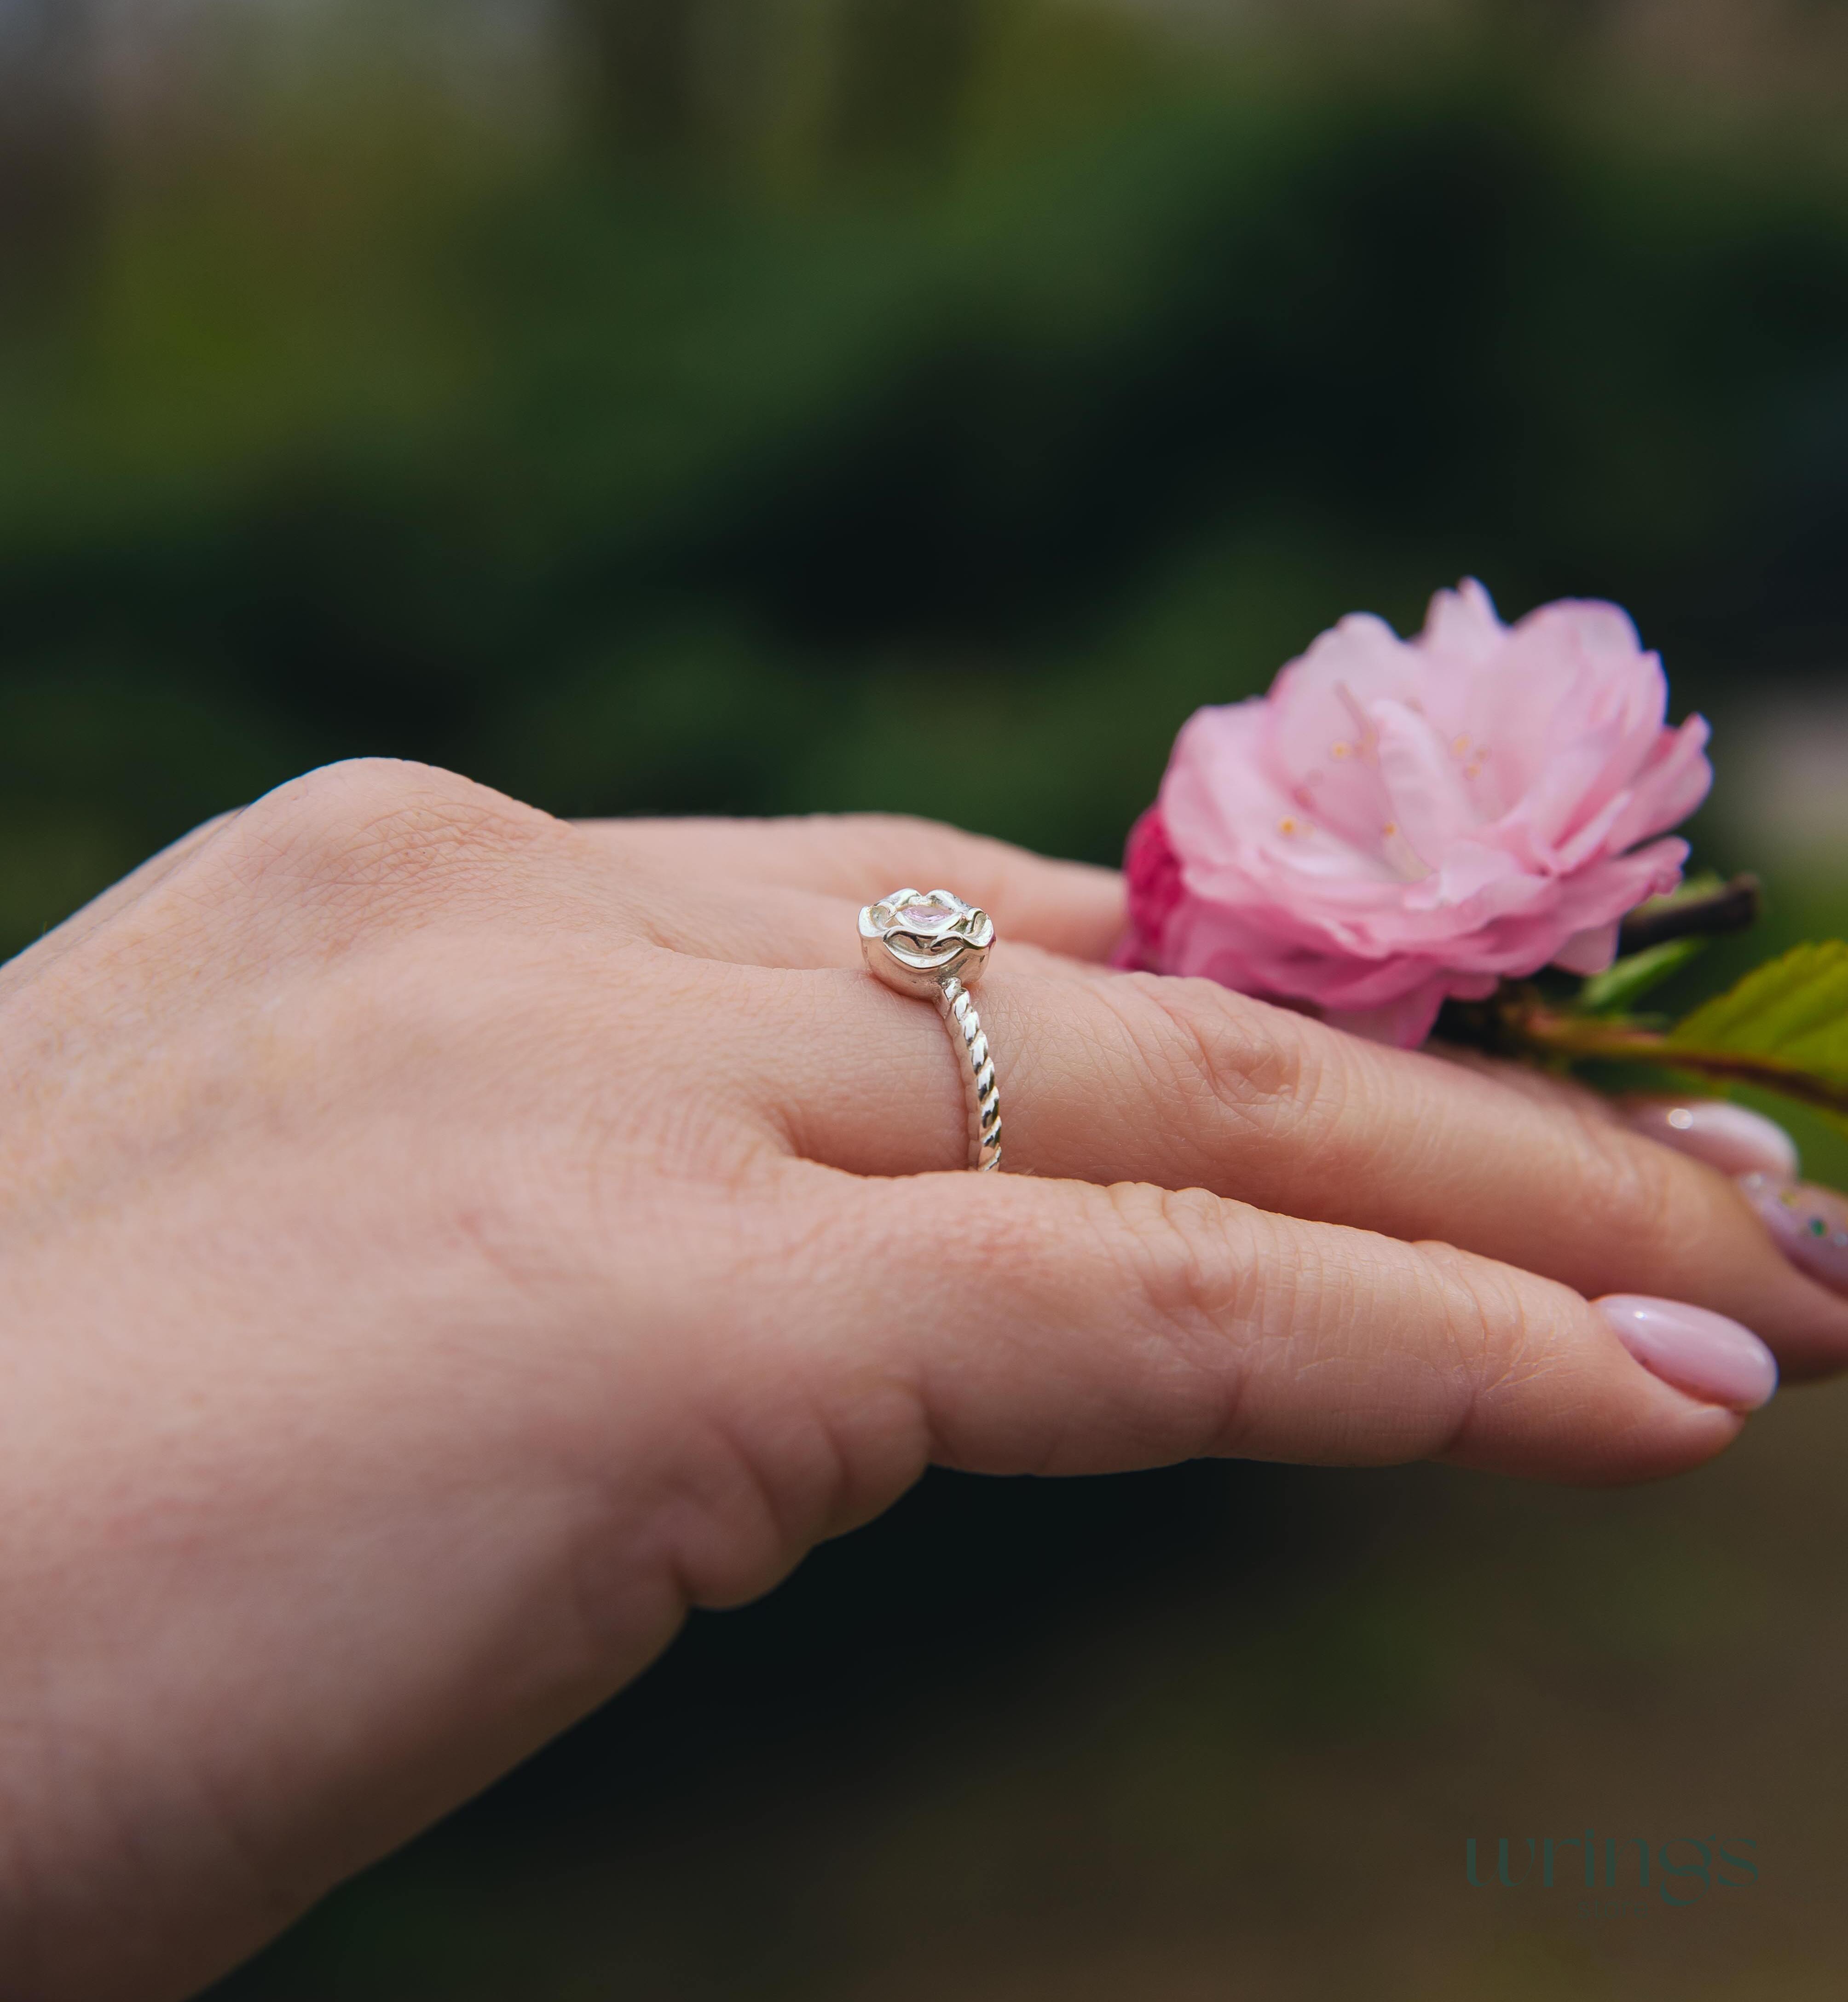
(1529, 1023)
(1691, 913)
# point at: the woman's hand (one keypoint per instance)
(441, 1245)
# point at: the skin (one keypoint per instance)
(443, 1244)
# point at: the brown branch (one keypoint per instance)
(1731, 908)
(1547, 1029)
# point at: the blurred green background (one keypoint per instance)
(641, 405)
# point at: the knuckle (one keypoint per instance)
(1638, 1190)
(1214, 1301)
(1495, 1331)
(1215, 1050)
(1477, 1307)
(377, 824)
(1189, 1266)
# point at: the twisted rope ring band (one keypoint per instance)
(934, 948)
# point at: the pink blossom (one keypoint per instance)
(1401, 821)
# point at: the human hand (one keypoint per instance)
(443, 1244)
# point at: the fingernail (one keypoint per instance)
(1730, 1137)
(1810, 1225)
(1703, 1353)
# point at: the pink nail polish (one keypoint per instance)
(1703, 1353)
(1730, 1137)
(1810, 1225)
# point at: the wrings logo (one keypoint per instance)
(1685, 1868)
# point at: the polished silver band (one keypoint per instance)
(935, 948)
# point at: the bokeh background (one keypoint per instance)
(644, 405)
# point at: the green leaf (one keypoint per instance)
(1622, 986)
(1794, 1009)
(1788, 1019)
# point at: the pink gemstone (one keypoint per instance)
(926, 910)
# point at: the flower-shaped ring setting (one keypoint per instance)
(932, 946)
(914, 940)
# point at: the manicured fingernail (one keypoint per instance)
(1703, 1353)
(1810, 1225)
(1730, 1137)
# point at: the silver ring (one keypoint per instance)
(934, 948)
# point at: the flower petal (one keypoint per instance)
(1676, 779)
(1406, 1022)
(1426, 797)
(1588, 951)
(1461, 626)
